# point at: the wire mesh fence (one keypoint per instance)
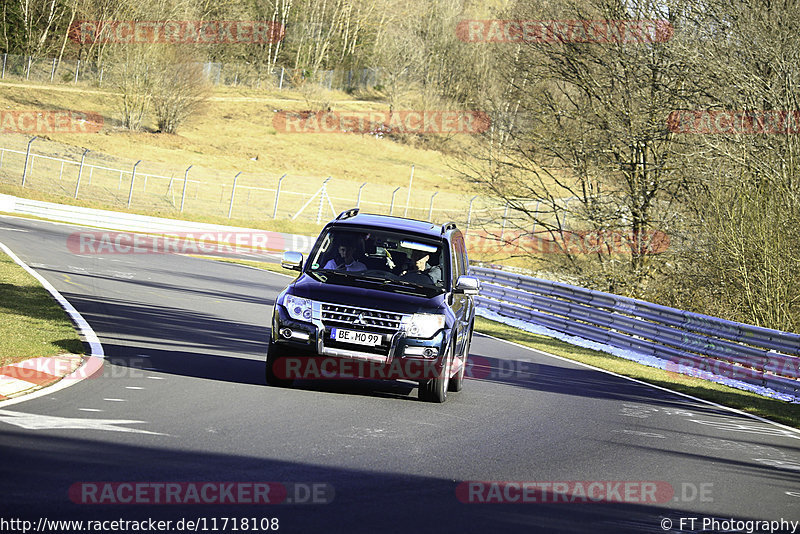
(205, 192)
(53, 70)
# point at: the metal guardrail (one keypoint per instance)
(689, 342)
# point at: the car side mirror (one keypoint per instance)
(469, 285)
(292, 261)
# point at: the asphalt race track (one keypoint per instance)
(182, 399)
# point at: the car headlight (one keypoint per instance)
(298, 308)
(423, 324)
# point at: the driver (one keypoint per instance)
(345, 260)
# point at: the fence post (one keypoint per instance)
(27, 155)
(358, 202)
(233, 194)
(133, 178)
(80, 172)
(408, 197)
(536, 211)
(469, 213)
(430, 208)
(391, 206)
(277, 196)
(323, 194)
(505, 216)
(185, 181)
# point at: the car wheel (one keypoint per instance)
(435, 390)
(274, 353)
(457, 382)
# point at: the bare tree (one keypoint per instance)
(580, 144)
(746, 206)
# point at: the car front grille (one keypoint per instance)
(382, 322)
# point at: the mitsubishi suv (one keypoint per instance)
(378, 297)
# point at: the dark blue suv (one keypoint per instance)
(378, 297)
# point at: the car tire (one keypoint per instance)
(457, 382)
(274, 353)
(435, 390)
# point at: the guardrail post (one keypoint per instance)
(77, 69)
(80, 172)
(185, 181)
(133, 179)
(280, 85)
(358, 200)
(430, 208)
(277, 196)
(233, 194)
(391, 206)
(27, 155)
(469, 213)
(5, 59)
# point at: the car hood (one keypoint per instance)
(350, 295)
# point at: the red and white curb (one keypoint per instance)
(36, 377)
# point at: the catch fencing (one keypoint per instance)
(206, 192)
(74, 71)
(690, 343)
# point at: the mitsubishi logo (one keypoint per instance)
(359, 319)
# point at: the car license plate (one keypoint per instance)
(356, 337)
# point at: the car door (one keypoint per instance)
(460, 303)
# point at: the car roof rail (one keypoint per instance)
(446, 227)
(352, 212)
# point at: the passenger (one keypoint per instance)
(345, 261)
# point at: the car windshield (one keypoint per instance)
(394, 261)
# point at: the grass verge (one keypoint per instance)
(775, 410)
(33, 323)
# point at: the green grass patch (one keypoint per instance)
(33, 324)
(775, 410)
